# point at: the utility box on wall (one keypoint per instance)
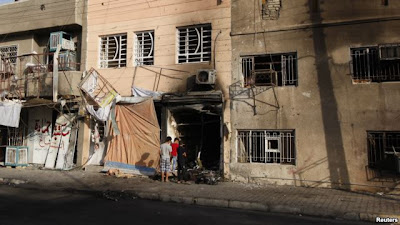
(16, 156)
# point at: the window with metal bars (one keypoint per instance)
(271, 9)
(113, 51)
(270, 70)
(8, 55)
(194, 43)
(375, 64)
(144, 48)
(266, 146)
(384, 150)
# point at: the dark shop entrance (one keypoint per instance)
(196, 119)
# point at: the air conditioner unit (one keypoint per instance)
(16, 156)
(389, 51)
(206, 76)
(61, 38)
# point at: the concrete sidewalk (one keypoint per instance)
(283, 199)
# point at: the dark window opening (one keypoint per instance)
(375, 64)
(384, 151)
(385, 2)
(270, 70)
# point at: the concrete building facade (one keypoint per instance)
(314, 92)
(27, 62)
(160, 46)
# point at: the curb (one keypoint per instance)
(255, 206)
(233, 204)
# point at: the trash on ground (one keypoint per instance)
(119, 174)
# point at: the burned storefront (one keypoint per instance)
(196, 119)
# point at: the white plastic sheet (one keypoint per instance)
(9, 113)
(140, 92)
(100, 114)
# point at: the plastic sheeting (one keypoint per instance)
(101, 113)
(137, 148)
(9, 114)
(140, 92)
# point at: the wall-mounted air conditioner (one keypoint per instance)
(206, 76)
(62, 38)
(389, 51)
(16, 156)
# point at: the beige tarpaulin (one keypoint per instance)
(137, 147)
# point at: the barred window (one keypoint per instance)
(144, 48)
(384, 150)
(271, 9)
(266, 146)
(270, 70)
(375, 64)
(8, 54)
(194, 43)
(113, 51)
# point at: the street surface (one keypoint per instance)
(19, 206)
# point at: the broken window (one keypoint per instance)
(376, 63)
(113, 51)
(8, 55)
(144, 48)
(194, 43)
(266, 146)
(271, 9)
(270, 70)
(384, 150)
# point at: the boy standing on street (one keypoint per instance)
(165, 152)
(174, 153)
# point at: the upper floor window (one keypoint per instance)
(270, 70)
(144, 48)
(266, 146)
(375, 64)
(194, 43)
(8, 55)
(113, 51)
(271, 9)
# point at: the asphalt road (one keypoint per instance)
(20, 206)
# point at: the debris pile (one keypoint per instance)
(204, 176)
(119, 174)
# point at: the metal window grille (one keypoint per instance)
(271, 9)
(270, 70)
(266, 146)
(383, 149)
(8, 56)
(373, 64)
(144, 48)
(194, 44)
(113, 51)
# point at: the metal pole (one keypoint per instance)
(55, 73)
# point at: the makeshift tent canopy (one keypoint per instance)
(137, 148)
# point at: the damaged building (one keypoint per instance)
(266, 91)
(178, 55)
(40, 69)
(315, 87)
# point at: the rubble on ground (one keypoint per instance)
(117, 173)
